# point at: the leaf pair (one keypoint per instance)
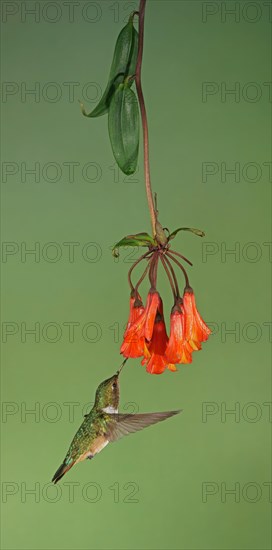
(120, 102)
(144, 239)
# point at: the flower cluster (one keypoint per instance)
(146, 336)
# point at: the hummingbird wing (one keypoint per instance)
(125, 424)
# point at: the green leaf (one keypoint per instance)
(124, 128)
(197, 232)
(123, 65)
(139, 239)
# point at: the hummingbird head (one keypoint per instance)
(107, 393)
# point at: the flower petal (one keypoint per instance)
(196, 330)
(153, 302)
(178, 349)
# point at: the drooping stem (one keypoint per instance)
(181, 267)
(172, 284)
(148, 187)
(143, 276)
(153, 270)
(156, 269)
(134, 265)
(181, 256)
(173, 275)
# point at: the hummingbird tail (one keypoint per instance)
(61, 471)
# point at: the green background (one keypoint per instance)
(168, 464)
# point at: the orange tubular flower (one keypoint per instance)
(154, 303)
(196, 330)
(178, 349)
(154, 352)
(140, 324)
(133, 344)
(136, 308)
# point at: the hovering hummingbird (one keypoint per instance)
(103, 425)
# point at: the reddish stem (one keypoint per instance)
(143, 276)
(134, 265)
(163, 261)
(149, 194)
(153, 270)
(173, 275)
(181, 256)
(181, 267)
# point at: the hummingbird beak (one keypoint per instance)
(119, 370)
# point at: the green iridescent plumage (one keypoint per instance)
(103, 424)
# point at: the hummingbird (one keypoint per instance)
(104, 424)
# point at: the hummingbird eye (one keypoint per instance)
(114, 385)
